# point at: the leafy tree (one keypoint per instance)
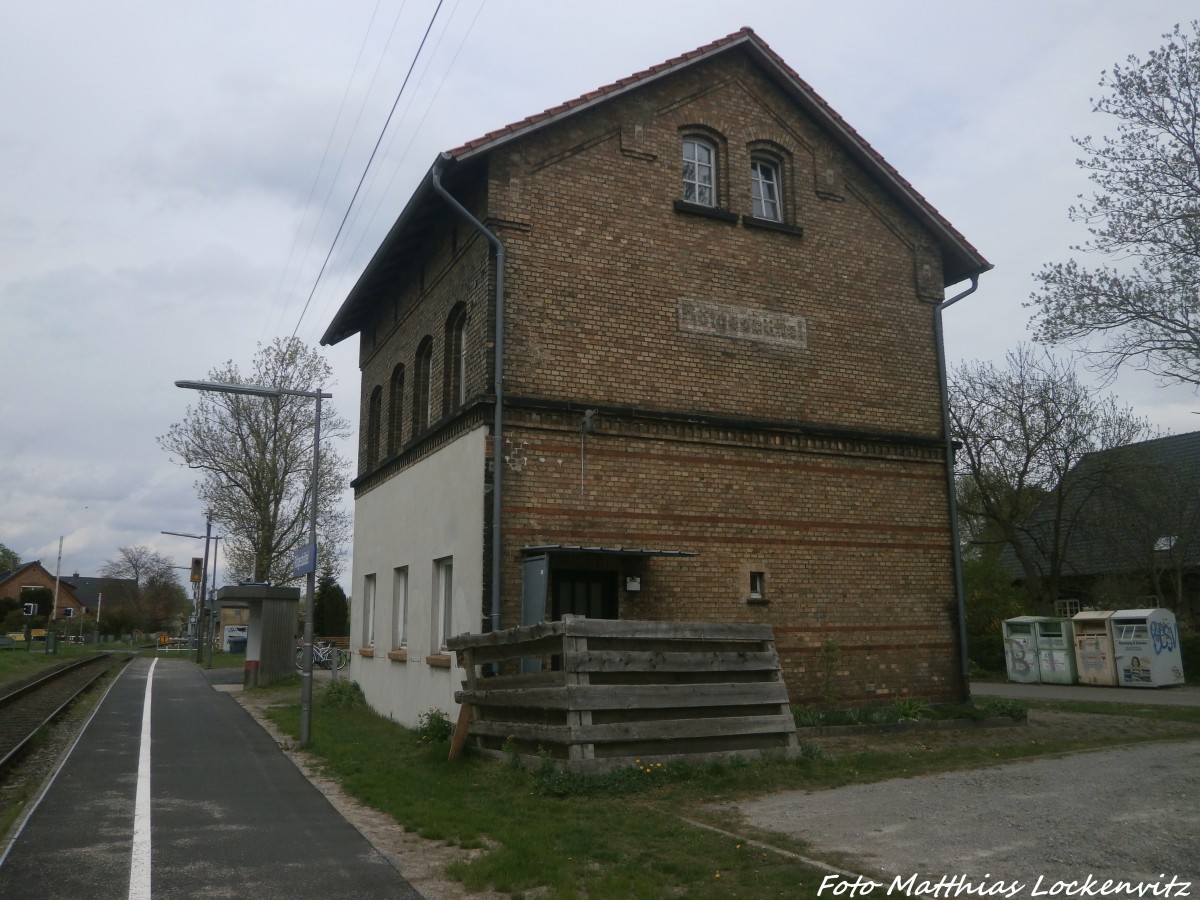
(155, 596)
(1145, 216)
(256, 457)
(9, 559)
(1022, 430)
(331, 609)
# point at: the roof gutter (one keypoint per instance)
(951, 488)
(498, 363)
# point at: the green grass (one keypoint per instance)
(620, 834)
(624, 841)
(20, 664)
(1188, 714)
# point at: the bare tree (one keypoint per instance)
(1022, 430)
(1144, 215)
(256, 456)
(155, 596)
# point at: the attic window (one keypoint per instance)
(699, 172)
(764, 189)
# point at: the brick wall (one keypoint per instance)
(852, 540)
(768, 396)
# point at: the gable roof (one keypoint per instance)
(90, 590)
(961, 260)
(24, 568)
(9, 580)
(1137, 488)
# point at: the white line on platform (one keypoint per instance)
(139, 862)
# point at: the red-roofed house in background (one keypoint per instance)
(714, 310)
(32, 576)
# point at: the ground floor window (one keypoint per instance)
(400, 607)
(443, 604)
(368, 624)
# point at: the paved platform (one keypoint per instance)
(228, 814)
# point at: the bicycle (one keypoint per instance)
(324, 655)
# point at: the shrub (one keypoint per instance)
(434, 726)
(345, 694)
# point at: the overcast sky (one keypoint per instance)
(172, 176)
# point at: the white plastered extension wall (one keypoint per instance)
(431, 511)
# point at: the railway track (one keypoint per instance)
(26, 708)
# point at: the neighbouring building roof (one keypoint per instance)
(1143, 501)
(89, 590)
(960, 259)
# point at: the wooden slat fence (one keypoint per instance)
(596, 694)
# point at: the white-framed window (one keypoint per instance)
(396, 410)
(454, 366)
(443, 602)
(1066, 608)
(400, 607)
(374, 412)
(460, 338)
(764, 188)
(699, 171)
(368, 623)
(423, 386)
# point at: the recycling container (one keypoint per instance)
(1146, 648)
(1094, 647)
(1056, 650)
(1020, 649)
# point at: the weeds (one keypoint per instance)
(434, 726)
(345, 694)
(908, 710)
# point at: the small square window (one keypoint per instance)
(758, 586)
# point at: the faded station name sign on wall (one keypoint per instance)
(742, 322)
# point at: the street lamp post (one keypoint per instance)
(262, 390)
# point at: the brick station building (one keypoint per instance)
(720, 391)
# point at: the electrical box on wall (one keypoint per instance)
(633, 583)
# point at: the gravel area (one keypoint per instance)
(1127, 814)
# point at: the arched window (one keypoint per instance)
(422, 387)
(374, 408)
(454, 392)
(699, 171)
(765, 188)
(396, 410)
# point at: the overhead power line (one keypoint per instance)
(367, 167)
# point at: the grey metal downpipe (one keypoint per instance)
(498, 415)
(959, 593)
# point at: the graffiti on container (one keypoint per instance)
(1020, 664)
(1163, 636)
